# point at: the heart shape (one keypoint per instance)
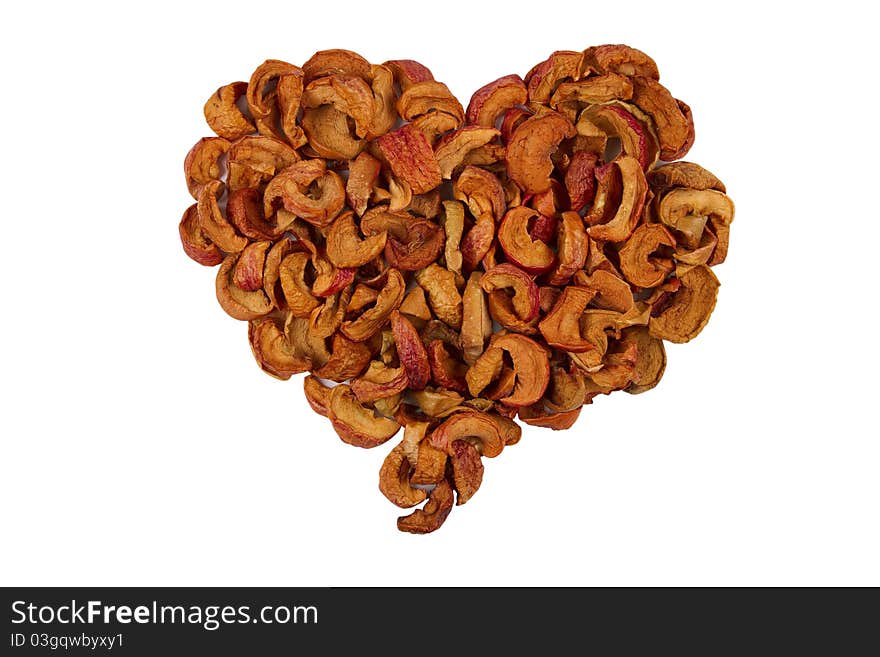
(452, 270)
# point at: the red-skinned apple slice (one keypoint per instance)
(411, 351)
(526, 299)
(534, 256)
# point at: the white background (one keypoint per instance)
(142, 445)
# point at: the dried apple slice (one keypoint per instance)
(672, 118)
(620, 120)
(467, 470)
(273, 351)
(262, 95)
(446, 371)
(415, 305)
(534, 256)
(317, 394)
(433, 514)
(545, 77)
(354, 423)
(308, 190)
(455, 146)
(437, 403)
(491, 101)
(511, 120)
(195, 243)
(612, 292)
(619, 58)
(346, 249)
(580, 179)
(371, 321)
(411, 158)
(453, 228)
(336, 61)
(254, 161)
(561, 326)
(395, 480)
(687, 211)
(223, 115)
(572, 247)
(379, 382)
(684, 174)
(443, 296)
(530, 148)
(634, 189)
(329, 134)
(479, 429)
(203, 163)
(478, 241)
(567, 390)
(418, 248)
(306, 343)
(595, 89)
(429, 97)
(297, 291)
(481, 191)
(330, 279)
(530, 363)
(363, 174)
(538, 417)
(213, 222)
(347, 360)
(526, 300)
(411, 351)
(239, 304)
(688, 309)
(639, 261)
(408, 72)
(348, 94)
(650, 361)
(476, 324)
(289, 90)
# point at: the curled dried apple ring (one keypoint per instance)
(532, 255)
(432, 516)
(254, 161)
(224, 116)
(237, 302)
(379, 382)
(454, 147)
(619, 223)
(479, 429)
(688, 309)
(356, 424)
(417, 248)
(308, 190)
(262, 94)
(346, 249)
(371, 321)
(202, 164)
(526, 300)
(195, 243)
(273, 351)
(639, 261)
(561, 327)
(530, 148)
(491, 101)
(395, 480)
